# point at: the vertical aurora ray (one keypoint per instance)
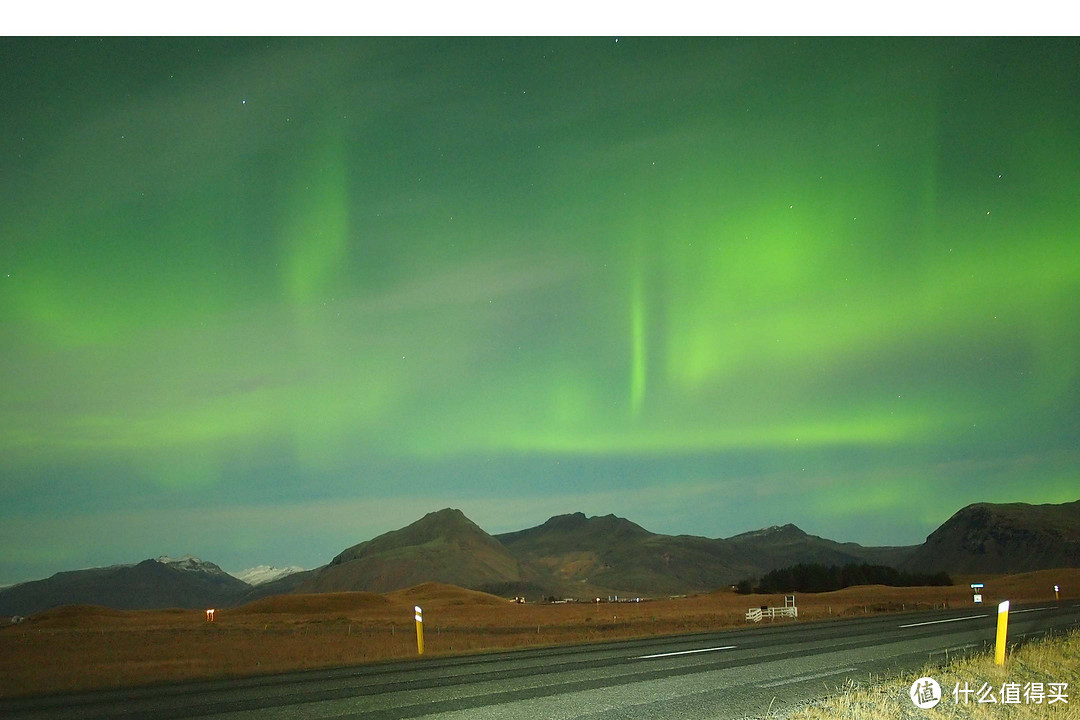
(314, 240)
(315, 243)
(638, 340)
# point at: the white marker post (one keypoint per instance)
(1002, 631)
(419, 630)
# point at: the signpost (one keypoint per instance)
(419, 630)
(977, 587)
(1002, 630)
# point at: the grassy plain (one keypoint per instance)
(80, 648)
(1049, 660)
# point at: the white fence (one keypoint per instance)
(789, 610)
(755, 614)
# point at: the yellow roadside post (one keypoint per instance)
(1057, 594)
(419, 630)
(1002, 630)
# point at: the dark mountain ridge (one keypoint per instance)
(574, 555)
(1003, 538)
(612, 554)
(150, 584)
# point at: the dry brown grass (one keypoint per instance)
(1051, 660)
(78, 648)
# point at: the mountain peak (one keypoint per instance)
(575, 531)
(446, 515)
(448, 524)
(579, 520)
(443, 546)
(774, 532)
(184, 559)
(440, 523)
(190, 563)
(569, 520)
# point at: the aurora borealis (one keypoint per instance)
(262, 299)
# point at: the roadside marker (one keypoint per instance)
(1002, 631)
(419, 630)
(684, 652)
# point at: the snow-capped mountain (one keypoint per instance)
(189, 563)
(162, 582)
(265, 573)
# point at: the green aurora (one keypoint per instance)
(261, 299)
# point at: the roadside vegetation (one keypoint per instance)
(1030, 681)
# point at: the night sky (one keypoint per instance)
(263, 299)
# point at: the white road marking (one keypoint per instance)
(973, 617)
(683, 652)
(935, 622)
(801, 678)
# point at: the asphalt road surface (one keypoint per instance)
(747, 672)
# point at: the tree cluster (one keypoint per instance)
(823, 578)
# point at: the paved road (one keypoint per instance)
(732, 674)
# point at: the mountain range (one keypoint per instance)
(570, 556)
